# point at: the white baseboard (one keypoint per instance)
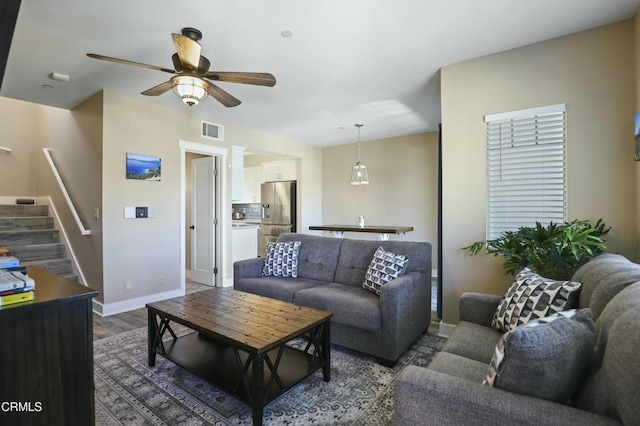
(445, 330)
(104, 310)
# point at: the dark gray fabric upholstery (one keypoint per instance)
(459, 366)
(275, 287)
(612, 387)
(478, 308)
(546, 358)
(607, 394)
(473, 341)
(430, 398)
(349, 305)
(318, 256)
(330, 276)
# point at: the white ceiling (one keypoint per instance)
(349, 61)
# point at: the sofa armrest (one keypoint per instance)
(249, 268)
(405, 305)
(428, 397)
(478, 308)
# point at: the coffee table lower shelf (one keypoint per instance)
(217, 363)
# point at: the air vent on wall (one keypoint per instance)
(212, 131)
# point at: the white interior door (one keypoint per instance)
(203, 225)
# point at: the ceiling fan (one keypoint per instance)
(192, 79)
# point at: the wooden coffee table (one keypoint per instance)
(239, 341)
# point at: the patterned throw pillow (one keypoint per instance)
(532, 296)
(384, 267)
(545, 358)
(281, 259)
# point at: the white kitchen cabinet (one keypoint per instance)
(280, 170)
(244, 242)
(253, 178)
(237, 174)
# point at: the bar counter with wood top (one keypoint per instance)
(382, 231)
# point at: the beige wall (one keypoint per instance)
(403, 172)
(75, 139)
(142, 250)
(19, 131)
(593, 73)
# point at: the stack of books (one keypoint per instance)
(15, 285)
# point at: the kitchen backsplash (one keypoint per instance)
(250, 210)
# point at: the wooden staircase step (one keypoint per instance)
(37, 251)
(36, 236)
(12, 210)
(25, 223)
(57, 266)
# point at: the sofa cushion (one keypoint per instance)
(611, 386)
(275, 287)
(458, 366)
(384, 267)
(355, 256)
(545, 358)
(349, 305)
(281, 259)
(473, 341)
(318, 256)
(532, 296)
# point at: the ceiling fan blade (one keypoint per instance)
(159, 89)
(223, 97)
(257, 78)
(176, 62)
(188, 51)
(126, 62)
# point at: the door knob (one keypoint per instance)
(192, 227)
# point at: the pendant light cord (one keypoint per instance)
(358, 126)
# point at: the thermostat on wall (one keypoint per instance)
(136, 212)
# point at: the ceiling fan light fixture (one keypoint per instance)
(190, 89)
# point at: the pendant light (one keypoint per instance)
(359, 174)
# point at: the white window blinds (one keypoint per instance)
(526, 179)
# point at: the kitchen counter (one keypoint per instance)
(246, 223)
(382, 231)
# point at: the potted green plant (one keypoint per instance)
(554, 251)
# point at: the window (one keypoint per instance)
(526, 168)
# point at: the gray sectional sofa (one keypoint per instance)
(450, 391)
(330, 277)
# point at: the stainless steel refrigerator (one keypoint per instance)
(278, 211)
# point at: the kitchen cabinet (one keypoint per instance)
(237, 174)
(253, 178)
(244, 242)
(280, 170)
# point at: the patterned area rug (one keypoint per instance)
(129, 392)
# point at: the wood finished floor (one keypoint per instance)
(121, 323)
(126, 321)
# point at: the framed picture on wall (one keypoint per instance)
(143, 167)
(637, 129)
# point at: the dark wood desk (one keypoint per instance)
(382, 231)
(239, 343)
(46, 354)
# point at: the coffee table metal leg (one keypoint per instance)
(257, 391)
(326, 352)
(152, 333)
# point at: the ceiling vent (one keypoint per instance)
(212, 131)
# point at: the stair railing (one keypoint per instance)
(54, 169)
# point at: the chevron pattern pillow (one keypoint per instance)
(545, 358)
(384, 267)
(281, 259)
(531, 297)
